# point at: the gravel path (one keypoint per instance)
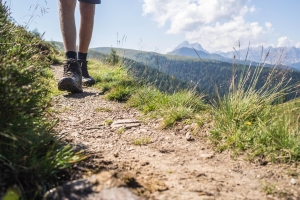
(170, 165)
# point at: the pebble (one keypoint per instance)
(74, 134)
(207, 156)
(188, 136)
(73, 118)
(145, 163)
(186, 127)
(116, 154)
(143, 130)
(293, 181)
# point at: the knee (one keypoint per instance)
(68, 4)
(86, 8)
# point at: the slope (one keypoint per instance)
(162, 164)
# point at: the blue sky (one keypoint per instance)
(160, 25)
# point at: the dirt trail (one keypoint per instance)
(170, 166)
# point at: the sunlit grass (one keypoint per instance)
(247, 119)
(31, 157)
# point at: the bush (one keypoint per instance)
(30, 156)
(113, 58)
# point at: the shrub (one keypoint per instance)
(30, 156)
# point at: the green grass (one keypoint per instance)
(248, 120)
(171, 107)
(113, 80)
(109, 122)
(141, 141)
(118, 85)
(31, 157)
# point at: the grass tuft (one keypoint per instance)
(247, 118)
(171, 107)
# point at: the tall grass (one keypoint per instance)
(30, 156)
(170, 107)
(113, 80)
(246, 119)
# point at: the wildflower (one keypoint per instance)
(248, 123)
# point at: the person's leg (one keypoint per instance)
(87, 12)
(72, 76)
(67, 25)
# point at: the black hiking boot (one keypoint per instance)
(87, 80)
(72, 77)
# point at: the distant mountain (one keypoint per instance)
(186, 44)
(195, 50)
(289, 56)
(190, 52)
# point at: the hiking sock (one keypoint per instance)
(82, 56)
(71, 54)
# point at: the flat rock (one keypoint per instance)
(126, 123)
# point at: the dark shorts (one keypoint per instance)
(91, 1)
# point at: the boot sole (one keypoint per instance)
(68, 84)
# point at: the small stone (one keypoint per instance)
(63, 132)
(188, 136)
(187, 127)
(143, 130)
(293, 181)
(207, 156)
(130, 149)
(145, 163)
(74, 134)
(73, 119)
(116, 154)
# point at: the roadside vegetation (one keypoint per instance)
(32, 159)
(252, 119)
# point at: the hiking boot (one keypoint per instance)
(87, 80)
(72, 77)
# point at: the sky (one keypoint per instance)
(160, 25)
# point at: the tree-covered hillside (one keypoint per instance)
(170, 72)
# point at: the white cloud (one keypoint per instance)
(269, 26)
(284, 42)
(298, 45)
(252, 9)
(215, 24)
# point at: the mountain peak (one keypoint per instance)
(186, 44)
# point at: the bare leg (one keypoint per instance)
(72, 76)
(87, 12)
(67, 23)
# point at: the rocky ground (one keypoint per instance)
(159, 164)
